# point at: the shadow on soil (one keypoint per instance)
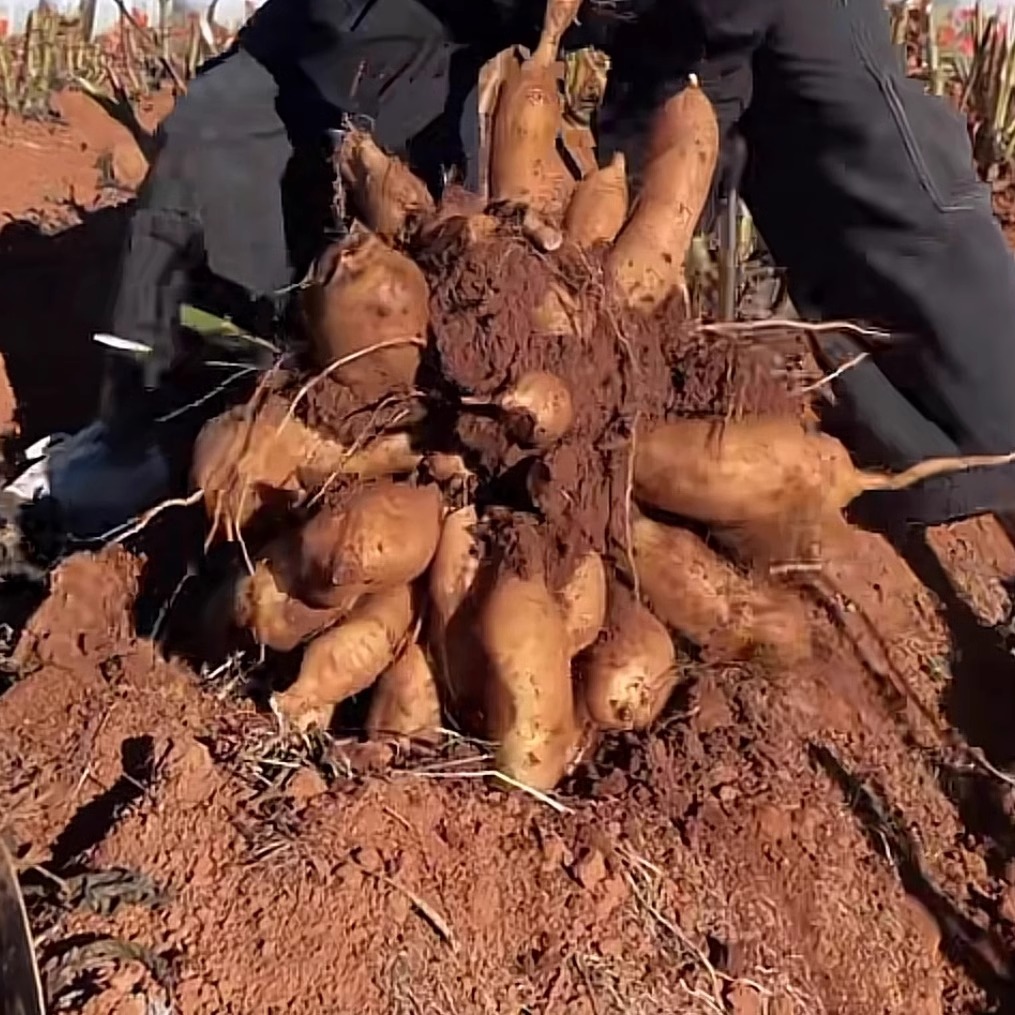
(978, 952)
(979, 701)
(54, 290)
(90, 825)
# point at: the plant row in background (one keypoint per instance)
(56, 51)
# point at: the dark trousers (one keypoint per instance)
(240, 200)
(864, 189)
(233, 206)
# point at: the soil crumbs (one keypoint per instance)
(753, 854)
(782, 843)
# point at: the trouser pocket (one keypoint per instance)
(932, 133)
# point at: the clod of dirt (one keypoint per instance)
(481, 310)
(621, 369)
(88, 611)
(127, 164)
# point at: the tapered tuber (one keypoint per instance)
(385, 535)
(259, 456)
(390, 199)
(739, 472)
(347, 659)
(525, 165)
(648, 257)
(453, 627)
(702, 597)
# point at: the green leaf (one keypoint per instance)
(206, 324)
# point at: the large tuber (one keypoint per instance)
(364, 294)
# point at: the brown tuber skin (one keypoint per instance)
(598, 208)
(385, 535)
(389, 198)
(628, 677)
(272, 460)
(762, 470)
(525, 165)
(703, 598)
(264, 603)
(648, 257)
(530, 701)
(583, 599)
(364, 294)
(405, 702)
(347, 659)
(453, 633)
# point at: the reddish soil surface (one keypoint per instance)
(783, 842)
(60, 233)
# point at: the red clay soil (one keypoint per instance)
(754, 851)
(783, 842)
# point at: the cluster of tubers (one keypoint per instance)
(378, 571)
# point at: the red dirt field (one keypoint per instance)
(820, 840)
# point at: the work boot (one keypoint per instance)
(84, 486)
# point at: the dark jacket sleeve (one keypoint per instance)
(731, 26)
(663, 41)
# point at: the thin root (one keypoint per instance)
(343, 361)
(119, 534)
(736, 328)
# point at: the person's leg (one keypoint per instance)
(864, 189)
(212, 203)
(212, 197)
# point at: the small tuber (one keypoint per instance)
(599, 206)
(627, 677)
(538, 407)
(348, 659)
(264, 602)
(405, 702)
